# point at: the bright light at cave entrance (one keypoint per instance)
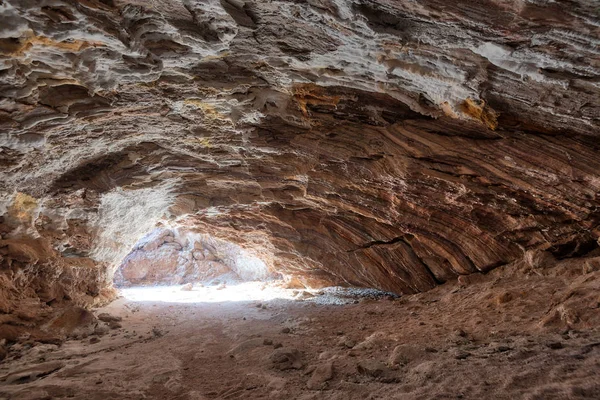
(247, 291)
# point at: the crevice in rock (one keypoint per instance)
(379, 243)
(574, 248)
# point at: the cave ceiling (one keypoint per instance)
(389, 144)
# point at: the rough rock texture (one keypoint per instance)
(456, 341)
(390, 144)
(173, 257)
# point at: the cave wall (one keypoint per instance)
(389, 144)
(178, 256)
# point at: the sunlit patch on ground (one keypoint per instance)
(246, 291)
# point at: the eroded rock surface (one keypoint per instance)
(167, 256)
(379, 143)
(454, 341)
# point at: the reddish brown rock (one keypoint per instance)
(73, 321)
(387, 144)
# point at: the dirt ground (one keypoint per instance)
(516, 333)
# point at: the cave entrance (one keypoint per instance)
(176, 265)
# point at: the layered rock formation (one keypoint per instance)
(167, 256)
(389, 144)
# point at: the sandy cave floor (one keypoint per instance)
(487, 338)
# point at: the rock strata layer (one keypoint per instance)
(388, 144)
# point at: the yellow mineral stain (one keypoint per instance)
(204, 142)
(23, 207)
(208, 109)
(210, 113)
(311, 94)
(17, 47)
(478, 110)
(198, 104)
(216, 56)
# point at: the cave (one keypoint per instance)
(320, 199)
(175, 256)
